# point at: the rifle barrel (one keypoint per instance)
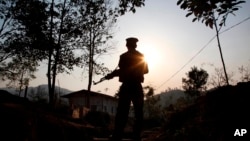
(102, 79)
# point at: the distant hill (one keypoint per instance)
(166, 98)
(40, 90)
(170, 97)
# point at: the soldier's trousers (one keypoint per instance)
(129, 92)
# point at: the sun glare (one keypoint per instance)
(151, 56)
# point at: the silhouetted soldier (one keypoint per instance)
(132, 68)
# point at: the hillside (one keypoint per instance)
(214, 117)
(22, 120)
(170, 97)
(38, 89)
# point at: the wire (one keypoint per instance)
(200, 52)
(235, 25)
(187, 62)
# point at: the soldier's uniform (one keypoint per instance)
(132, 67)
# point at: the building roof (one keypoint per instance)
(83, 92)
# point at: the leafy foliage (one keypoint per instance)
(195, 82)
(129, 5)
(19, 72)
(94, 21)
(55, 30)
(209, 12)
(205, 10)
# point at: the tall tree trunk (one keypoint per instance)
(51, 48)
(21, 84)
(26, 91)
(90, 71)
(57, 57)
(218, 40)
(52, 81)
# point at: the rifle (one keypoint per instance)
(109, 76)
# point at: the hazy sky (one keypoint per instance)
(175, 42)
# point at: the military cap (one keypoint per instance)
(132, 40)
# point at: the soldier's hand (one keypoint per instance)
(108, 76)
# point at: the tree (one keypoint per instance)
(211, 12)
(5, 27)
(19, 55)
(245, 73)
(90, 20)
(38, 95)
(152, 108)
(95, 20)
(217, 79)
(19, 72)
(49, 30)
(30, 39)
(39, 34)
(58, 47)
(195, 82)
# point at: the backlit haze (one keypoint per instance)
(171, 43)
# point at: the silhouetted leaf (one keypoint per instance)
(184, 5)
(235, 9)
(220, 24)
(179, 2)
(203, 10)
(194, 19)
(211, 25)
(188, 14)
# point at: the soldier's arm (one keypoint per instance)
(113, 74)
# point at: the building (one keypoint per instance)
(97, 101)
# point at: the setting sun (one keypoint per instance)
(151, 56)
